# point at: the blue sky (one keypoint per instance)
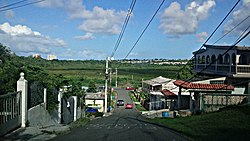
(88, 29)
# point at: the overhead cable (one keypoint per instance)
(145, 29)
(6, 9)
(210, 36)
(130, 10)
(12, 4)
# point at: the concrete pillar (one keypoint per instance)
(179, 98)
(191, 102)
(45, 98)
(59, 105)
(75, 107)
(22, 85)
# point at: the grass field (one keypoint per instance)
(93, 70)
(230, 124)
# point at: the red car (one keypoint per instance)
(130, 88)
(129, 106)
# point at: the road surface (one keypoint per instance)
(123, 125)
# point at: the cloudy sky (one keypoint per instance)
(89, 29)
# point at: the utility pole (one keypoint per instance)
(110, 81)
(106, 87)
(116, 78)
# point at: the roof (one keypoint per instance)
(227, 46)
(189, 85)
(168, 93)
(157, 81)
(156, 93)
(94, 96)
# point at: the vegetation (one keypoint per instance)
(137, 103)
(56, 74)
(232, 123)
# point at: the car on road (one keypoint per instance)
(129, 106)
(120, 102)
(130, 88)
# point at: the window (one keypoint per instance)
(213, 59)
(208, 59)
(227, 59)
(220, 59)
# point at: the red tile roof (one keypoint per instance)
(189, 85)
(168, 93)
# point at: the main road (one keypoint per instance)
(123, 125)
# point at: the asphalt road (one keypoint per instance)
(123, 125)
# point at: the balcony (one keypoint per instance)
(223, 69)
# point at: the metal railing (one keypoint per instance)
(10, 106)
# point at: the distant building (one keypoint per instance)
(52, 57)
(37, 56)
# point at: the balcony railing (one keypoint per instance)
(223, 69)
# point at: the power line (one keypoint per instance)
(12, 4)
(232, 29)
(124, 26)
(21, 5)
(236, 42)
(145, 28)
(210, 35)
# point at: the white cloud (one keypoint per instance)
(21, 38)
(83, 54)
(9, 14)
(245, 1)
(202, 36)
(97, 20)
(87, 36)
(175, 21)
(238, 16)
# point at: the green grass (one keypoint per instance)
(92, 70)
(140, 107)
(228, 124)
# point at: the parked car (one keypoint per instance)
(120, 102)
(129, 106)
(130, 88)
(91, 110)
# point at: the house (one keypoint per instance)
(230, 62)
(160, 96)
(95, 100)
(196, 100)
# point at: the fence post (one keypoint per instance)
(45, 98)
(22, 85)
(75, 106)
(59, 105)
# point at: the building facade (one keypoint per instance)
(230, 62)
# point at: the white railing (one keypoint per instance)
(223, 68)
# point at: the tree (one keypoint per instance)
(92, 87)
(4, 53)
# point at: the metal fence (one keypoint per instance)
(10, 112)
(35, 94)
(213, 102)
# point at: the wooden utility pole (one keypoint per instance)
(106, 86)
